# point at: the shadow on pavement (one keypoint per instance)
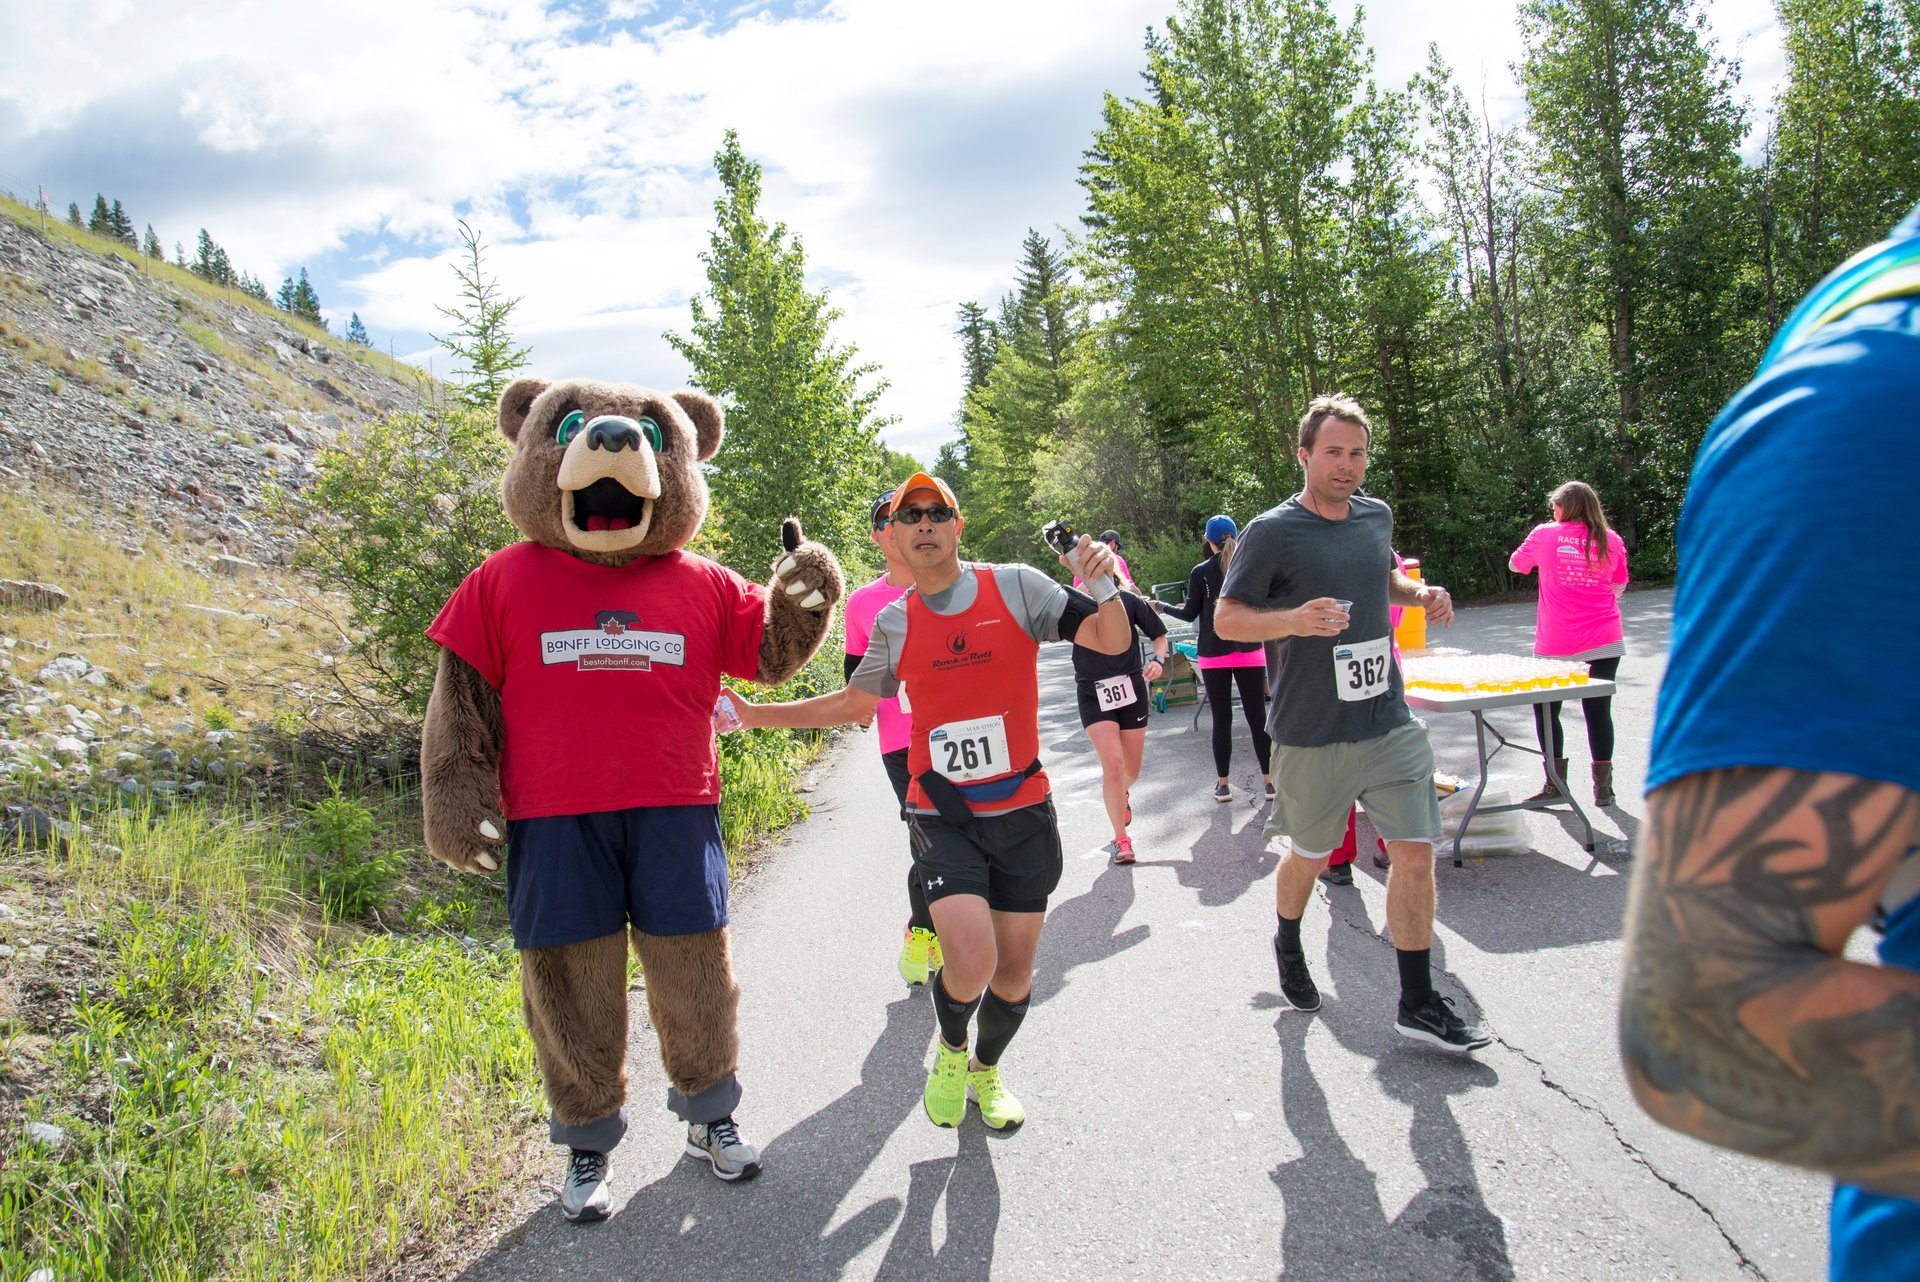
(973, 1214)
(1084, 930)
(1336, 1224)
(688, 1224)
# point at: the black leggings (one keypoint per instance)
(1253, 701)
(1598, 712)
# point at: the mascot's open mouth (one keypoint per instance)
(607, 505)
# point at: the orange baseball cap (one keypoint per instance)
(921, 481)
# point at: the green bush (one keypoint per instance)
(350, 878)
(405, 514)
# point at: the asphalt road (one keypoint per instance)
(1182, 1122)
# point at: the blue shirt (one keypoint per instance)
(1796, 623)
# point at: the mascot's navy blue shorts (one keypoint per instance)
(571, 878)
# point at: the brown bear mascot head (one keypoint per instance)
(625, 461)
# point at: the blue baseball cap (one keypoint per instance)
(1221, 528)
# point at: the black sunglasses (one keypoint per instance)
(914, 515)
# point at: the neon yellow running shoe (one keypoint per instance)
(1000, 1108)
(916, 955)
(935, 958)
(946, 1094)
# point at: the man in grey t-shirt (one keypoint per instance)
(1313, 578)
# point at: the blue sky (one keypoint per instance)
(910, 144)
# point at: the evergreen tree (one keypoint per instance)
(150, 247)
(179, 255)
(211, 262)
(100, 221)
(480, 336)
(1022, 407)
(73, 214)
(357, 333)
(120, 227)
(306, 303)
(977, 342)
(801, 426)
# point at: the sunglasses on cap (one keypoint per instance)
(939, 515)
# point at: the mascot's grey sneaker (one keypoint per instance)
(584, 1196)
(720, 1143)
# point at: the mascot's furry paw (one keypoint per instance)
(806, 576)
(806, 585)
(474, 842)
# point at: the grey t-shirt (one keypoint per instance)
(1037, 603)
(1289, 555)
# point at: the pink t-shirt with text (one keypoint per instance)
(893, 725)
(1578, 608)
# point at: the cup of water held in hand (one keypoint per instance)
(725, 718)
(1346, 608)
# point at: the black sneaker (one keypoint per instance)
(1434, 1022)
(584, 1196)
(1337, 874)
(1296, 985)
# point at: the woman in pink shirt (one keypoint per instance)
(1583, 571)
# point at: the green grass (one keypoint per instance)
(247, 1092)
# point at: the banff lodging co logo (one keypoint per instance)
(615, 641)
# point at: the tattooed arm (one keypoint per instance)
(1740, 1022)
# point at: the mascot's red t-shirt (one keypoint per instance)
(607, 675)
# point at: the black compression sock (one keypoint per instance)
(999, 1021)
(1288, 940)
(954, 1016)
(1416, 976)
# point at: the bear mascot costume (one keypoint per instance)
(570, 723)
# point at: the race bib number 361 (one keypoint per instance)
(1360, 670)
(1115, 692)
(967, 750)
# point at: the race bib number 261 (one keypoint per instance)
(967, 750)
(1360, 670)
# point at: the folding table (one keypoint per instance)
(1479, 703)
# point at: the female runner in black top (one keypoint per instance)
(1225, 664)
(1113, 708)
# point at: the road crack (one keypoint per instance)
(1633, 1151)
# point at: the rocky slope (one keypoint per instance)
(148, 416)
(165, 404)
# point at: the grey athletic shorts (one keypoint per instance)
(1391, 775)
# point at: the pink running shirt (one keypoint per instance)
(1578, 610)
(893, 725)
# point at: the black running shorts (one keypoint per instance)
(1011, 860)
(1129, 716)
(896, 764)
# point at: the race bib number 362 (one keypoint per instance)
(967, 750)
(1360, 670)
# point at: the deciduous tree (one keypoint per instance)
(802, 427)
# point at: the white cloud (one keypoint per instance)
(911, 145)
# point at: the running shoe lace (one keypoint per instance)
(724, 1132)
(588, 1167)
